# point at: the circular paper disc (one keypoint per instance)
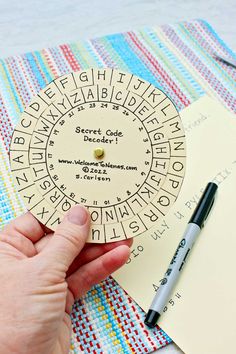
(103, 138)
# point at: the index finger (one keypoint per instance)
(26, 225)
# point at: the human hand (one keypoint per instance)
(42, 273)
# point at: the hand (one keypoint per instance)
(42, 273)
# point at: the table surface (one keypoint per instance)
(34, 24)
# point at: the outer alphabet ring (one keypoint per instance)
(103, 138)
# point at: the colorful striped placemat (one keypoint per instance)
(179, 59)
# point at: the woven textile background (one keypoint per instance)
(179, 59)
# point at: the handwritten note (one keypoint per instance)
(200, 314)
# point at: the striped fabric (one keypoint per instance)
(179, 59)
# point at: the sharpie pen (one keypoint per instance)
(169, 280)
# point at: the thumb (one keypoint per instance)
(69, 237)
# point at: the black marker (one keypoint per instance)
(193, 229)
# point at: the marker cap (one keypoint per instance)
(204, 206)
(151, 318)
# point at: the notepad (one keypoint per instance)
(203, 303)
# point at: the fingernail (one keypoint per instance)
(78, 215)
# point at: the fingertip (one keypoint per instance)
(124, 249)
(128, 242)
(78, 215)
(110, 245)
(120, 255)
